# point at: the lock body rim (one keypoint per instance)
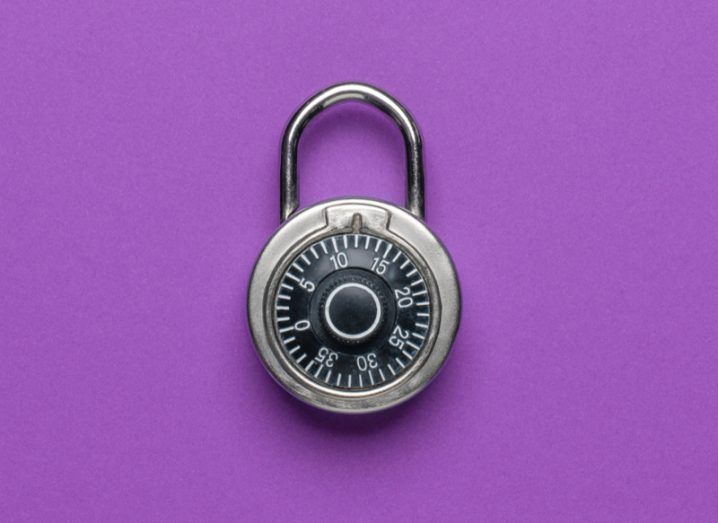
(378, 218)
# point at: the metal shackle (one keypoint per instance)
(289, 200)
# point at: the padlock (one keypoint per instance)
(353, 303)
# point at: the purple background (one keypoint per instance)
(572, 165)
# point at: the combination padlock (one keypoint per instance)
(353, 304)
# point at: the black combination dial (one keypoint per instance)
(352, 312)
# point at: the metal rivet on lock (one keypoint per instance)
(353, 303)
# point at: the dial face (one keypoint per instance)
(352, 312)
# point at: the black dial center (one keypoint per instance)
(352, 310)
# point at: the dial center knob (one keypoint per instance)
(352, 311)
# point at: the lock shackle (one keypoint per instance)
(289, 200)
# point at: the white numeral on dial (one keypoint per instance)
(379, 266)
(403, 297)
(367, 362)
(306, 285)
(326, 357)
(302, 325)
(398, 335)
(340, 260)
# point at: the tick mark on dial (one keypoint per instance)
(412, 345)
